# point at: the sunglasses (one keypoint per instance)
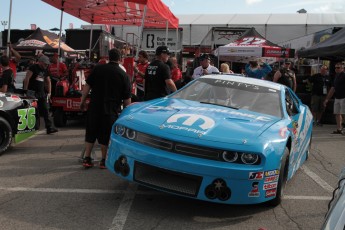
(338, 67)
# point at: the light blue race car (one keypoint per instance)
(222, 138)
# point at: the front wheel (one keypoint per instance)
(283, 173)
(5, 135)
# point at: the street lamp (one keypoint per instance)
(4, 23)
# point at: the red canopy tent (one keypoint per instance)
(143, 13)
(252, 45)
(119, 12)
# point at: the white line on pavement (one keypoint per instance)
(307, 198)
(119, 220)
(67, 190)
(317, 179)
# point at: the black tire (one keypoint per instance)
(5, 135)
(60, 119)
(284, 169)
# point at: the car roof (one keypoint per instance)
(247, 80)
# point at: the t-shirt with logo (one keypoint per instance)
(319, 82)
(156, 74)
(36, 82)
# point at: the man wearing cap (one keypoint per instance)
(286, 76)
(37, 80)
(158, 77)
(205, 67)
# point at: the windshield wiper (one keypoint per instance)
(211, 103)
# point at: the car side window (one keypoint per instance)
(291, 103)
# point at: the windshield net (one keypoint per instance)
(233, 94)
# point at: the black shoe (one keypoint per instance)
(87, 162)
(52, 130)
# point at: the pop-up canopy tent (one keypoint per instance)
(331, 49)
(143, 13)
(41, 41)
(252, 45)
(119, 12)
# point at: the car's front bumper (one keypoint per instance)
(193, 177)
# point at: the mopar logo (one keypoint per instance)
(190, 119)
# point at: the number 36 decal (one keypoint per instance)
(27, 118)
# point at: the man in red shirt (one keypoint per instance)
(53, 68)
(54, 74)
(139, 71)
(14, 60)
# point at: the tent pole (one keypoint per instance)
(166, 32)
(91, 32)
(176, 42)
(59, 47)
(140, 32)
(9, 30)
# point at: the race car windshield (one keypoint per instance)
(233, 94)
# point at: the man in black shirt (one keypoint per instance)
(6, 78)
(37, 80)
(158, 81)
(286, 76)
(110, 89)
(321, 85)
(338, 89)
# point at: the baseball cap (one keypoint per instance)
(162, 49)
(204, 56)
(44, 59)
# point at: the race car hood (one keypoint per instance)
(196, 120)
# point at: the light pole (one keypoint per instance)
(4, 23)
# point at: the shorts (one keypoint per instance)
(98, 127)
(317, 103)
(339, 106)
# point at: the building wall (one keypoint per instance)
(275, 27)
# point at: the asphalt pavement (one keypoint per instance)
(43, 186)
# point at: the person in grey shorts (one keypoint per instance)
(338, 89)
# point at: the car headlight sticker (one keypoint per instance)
(120, 130)
(230, 156)
(249, 158)
(131, 134)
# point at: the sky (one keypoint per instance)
(27, 12)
